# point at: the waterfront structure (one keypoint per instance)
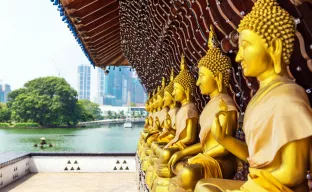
(84, 82)
(5, 89)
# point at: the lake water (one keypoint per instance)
(111, 138)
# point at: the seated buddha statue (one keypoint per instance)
(278, 119)
(208, 159)
(185, 123)
(168, 131)
(153, 126)
(146, 123)
(163, 110)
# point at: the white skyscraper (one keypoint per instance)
(84, 82)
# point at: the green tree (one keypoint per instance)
(121, 114)
(46, 100)
(5, 113)
(90, 111)
(110, 114)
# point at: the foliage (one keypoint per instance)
(90, 111)
(46, 100)
(121, 114)
(111, 114)
(5, 113)
(26, 125)
(4, 125)
(133, 104)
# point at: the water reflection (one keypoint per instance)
(107, 138)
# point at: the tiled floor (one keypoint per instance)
(74, 182)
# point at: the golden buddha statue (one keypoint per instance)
(169, 125)
(163, 110)
(211, 159)
(147, 122)
(185, 124)
(278, 119)
(168, 132)
(142, 146)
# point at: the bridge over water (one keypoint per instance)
(107, 121)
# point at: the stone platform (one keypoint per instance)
(78, 182)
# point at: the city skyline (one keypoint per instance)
(5, 89)
(115, 87)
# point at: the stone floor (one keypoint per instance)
(76, 182)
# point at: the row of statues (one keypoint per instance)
(182, 150)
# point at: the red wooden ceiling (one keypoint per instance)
(97, 23)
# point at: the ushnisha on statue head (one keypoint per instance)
(168, 90)
(214, 68)
(184, 84)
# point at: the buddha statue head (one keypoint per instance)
(152, 103)
(147, 106)
(160, 94)
(155, 104)
(168, 97)
(214, 68)
(184, 84)
(266, 40)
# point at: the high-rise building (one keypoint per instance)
(5, 89)
(84, 81)
(101, 79)
(113, 88)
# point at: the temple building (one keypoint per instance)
(229, 85)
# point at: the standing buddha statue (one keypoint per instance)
(185, 123)
(278, 119)
(211, 159)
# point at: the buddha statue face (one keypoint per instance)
(178, 92)
(168, 99)
(253, 54)
(155, 102)
(266, 40)
(206, 81)
(150, 104)
(147, 106)
(160, 101)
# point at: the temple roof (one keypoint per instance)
(95, 25)
(151, 35)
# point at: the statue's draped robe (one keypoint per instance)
(278, 114)
(172, 113)
(187, 111)
(211, 166)
(162, 117)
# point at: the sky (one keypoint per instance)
(35, 42)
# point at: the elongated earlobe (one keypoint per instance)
(219, 80)
(276, 54)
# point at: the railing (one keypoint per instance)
(107, 121)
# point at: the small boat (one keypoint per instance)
(128, 123)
